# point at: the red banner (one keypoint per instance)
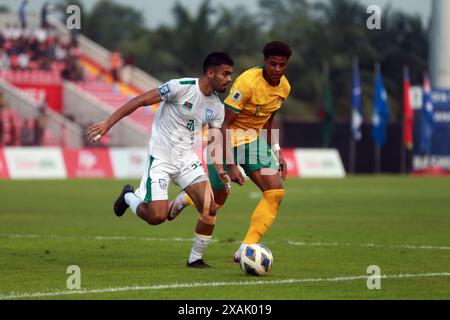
(408, 113)
(88, 163)
(51, 92)
(289, 157)
(3, 167)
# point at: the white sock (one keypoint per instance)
(201, 242)
(182, 198)
(132, 201)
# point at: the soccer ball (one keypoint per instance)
(256, 260)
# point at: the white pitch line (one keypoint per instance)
(142, 238)
(175, 239)
(13, 295)
(106, 238)
(367, 245)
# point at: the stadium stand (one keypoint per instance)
(36, 58)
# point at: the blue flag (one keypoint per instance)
(427, 125)
(380, 114)
(357, 118)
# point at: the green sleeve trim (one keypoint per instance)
(232, 108)
(187, 82)
(148, 194)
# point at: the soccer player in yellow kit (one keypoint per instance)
(254, 99)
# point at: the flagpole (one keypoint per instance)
(351, 157)
(403, 153)
(402, 144)
(325, 76)
(352, 144)
(377, 146)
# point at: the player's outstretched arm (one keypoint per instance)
(275, 146)
(99, 129)
(217, 160)
(233, 170)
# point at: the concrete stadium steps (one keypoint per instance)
(111, 97)
(100, 85)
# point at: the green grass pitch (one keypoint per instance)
(326, 235)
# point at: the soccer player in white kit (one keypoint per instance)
(187, 105)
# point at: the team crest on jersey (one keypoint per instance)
(163, 184)
(209, 114)
(258, 111)
(236, 96)
(164, 90)
(188, 106)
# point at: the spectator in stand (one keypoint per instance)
(60, 52)
(75, 52)
(24, 60)
(7, 31)
(2, 118)
(16, 32)
(23, 14)
(27, 138)
(115, 64)
(7, 46)
(128, 65)
(11, 132)
(39, 49)
(1, 128)
(41, 125)
(14, 62)
(43, 57)
(41, 35)
(44, 13)
(51, 47)
(63, 136)
(32, 43)
(4, 60)
(74, 38)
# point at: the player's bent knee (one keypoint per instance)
(209, 216)
(154, 221)
(208, 220)
(154, 217)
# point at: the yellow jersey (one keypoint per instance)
(255, 100)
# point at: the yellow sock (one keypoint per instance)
(264, 215)
(189, 201)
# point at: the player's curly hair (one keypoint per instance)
(277, 48)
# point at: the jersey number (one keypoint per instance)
(191, 125)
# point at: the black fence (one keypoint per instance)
(309, 135)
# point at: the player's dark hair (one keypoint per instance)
(277, 48)
(216, 59)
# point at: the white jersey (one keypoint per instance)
(178, 122)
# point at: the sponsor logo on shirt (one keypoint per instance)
(164, 90)
(209, 114)
(163, 184)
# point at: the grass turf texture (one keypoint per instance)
(325, 229)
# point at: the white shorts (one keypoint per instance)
(159, 173)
